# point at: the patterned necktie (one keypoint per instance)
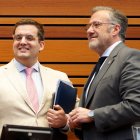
(31, 89)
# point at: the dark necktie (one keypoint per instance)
(94, 73)
(98, 65)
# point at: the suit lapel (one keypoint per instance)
(47, 94)
(89, 78)
(101, 73)
(15, 79)
(97, 79)
(82, 102)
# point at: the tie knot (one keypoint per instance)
(102, 59)
(29, 71)
(99, 64)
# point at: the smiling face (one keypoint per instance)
(26, 45)
(100, 31)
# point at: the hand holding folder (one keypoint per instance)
(65, 96)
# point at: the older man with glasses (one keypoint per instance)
(110, 103)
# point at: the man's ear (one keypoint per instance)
(42, 45)
(116, 29)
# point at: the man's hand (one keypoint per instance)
(56, 117)
(78, 116)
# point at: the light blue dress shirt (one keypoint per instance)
(35, 75)
(106, 53)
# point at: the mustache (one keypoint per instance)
(89, 36)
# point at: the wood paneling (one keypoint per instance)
(64, 7)
(61, 50)
(66, 46)
(80, 91)
(73, 69)
(59, 20)
(67, 32)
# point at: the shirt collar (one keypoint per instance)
(110, 49)
(20, 67)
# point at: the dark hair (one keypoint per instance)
(31, 22)
(116, 17)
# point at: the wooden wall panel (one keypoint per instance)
(64, 7)
(66, 45)
(58, 20)
(67, 32)
(61, 51)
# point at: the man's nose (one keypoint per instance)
(90, 29)
(23, 40)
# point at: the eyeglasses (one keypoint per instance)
(19, 37)
(97, 24)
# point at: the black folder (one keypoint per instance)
(65, 96)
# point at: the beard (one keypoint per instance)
(93, 45)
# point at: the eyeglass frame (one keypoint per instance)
(97, 24)
(28, 37)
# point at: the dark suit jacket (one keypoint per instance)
(114, 96)
(57, 135)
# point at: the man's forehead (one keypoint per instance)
(100, 16)
(29, 29)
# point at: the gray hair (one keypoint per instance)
(116, 17)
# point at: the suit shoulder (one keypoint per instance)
(55, 74)
(53, 71)
(3, 67)
(129, 52)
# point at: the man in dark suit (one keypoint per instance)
(110, 103)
